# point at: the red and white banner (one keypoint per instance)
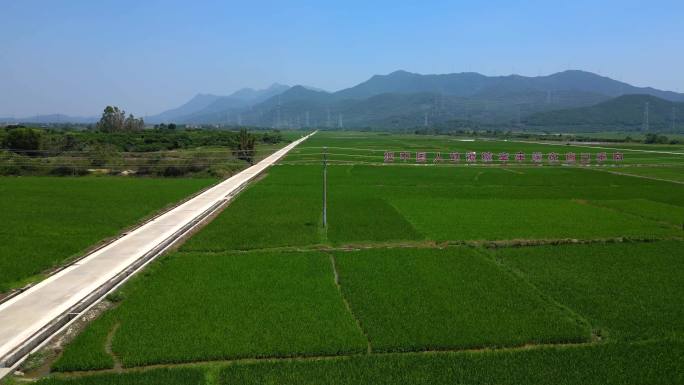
(503, 157)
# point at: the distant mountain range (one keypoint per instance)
(404, 100)
(51, 118)
(207, 104)
(627, 112)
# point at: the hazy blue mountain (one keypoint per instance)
(463, 84)
(50, 118)
(626, 112)
(502, 105)
(253, 96)
(299, 93)
(198, 102)
(474, 84)
(297, 98)
(401, 100)
(216, 105)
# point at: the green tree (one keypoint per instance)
(112, 119)
(133, 124)
(23, 140)
(244, 148)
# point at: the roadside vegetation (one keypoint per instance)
(120, 145)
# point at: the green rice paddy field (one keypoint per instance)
(47, 221)
(516, 274)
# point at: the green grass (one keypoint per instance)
(355, 219)
(199, 307)
(284, 209)
(384, 204)
(629, 291)
(651, 363)
(648, 209)
(46, 221)
(87, 351)
(429, 299)
(675, 173)
(369, 147)
(609, 364)
(163, 376)
(496, 219)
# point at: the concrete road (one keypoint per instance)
(30, 313)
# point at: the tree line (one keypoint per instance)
(116, 140)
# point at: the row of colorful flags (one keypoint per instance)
(504, 157)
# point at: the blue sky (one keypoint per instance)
(75, 56)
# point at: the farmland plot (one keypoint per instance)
(359, 218)
(495, 219)
(674, 173)
(599, 312)
(610, 364)
(200, 307)
(428, 299)
(47, 221)
(629, 291)
(175, 376)
(652, 363)
(282, 210)
(650, 210)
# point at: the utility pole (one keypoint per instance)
(339, 121)
(327, 124)
(307, 119)
(325, 186)
(278, 112)
(646, 122)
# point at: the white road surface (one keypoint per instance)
(30, 312)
